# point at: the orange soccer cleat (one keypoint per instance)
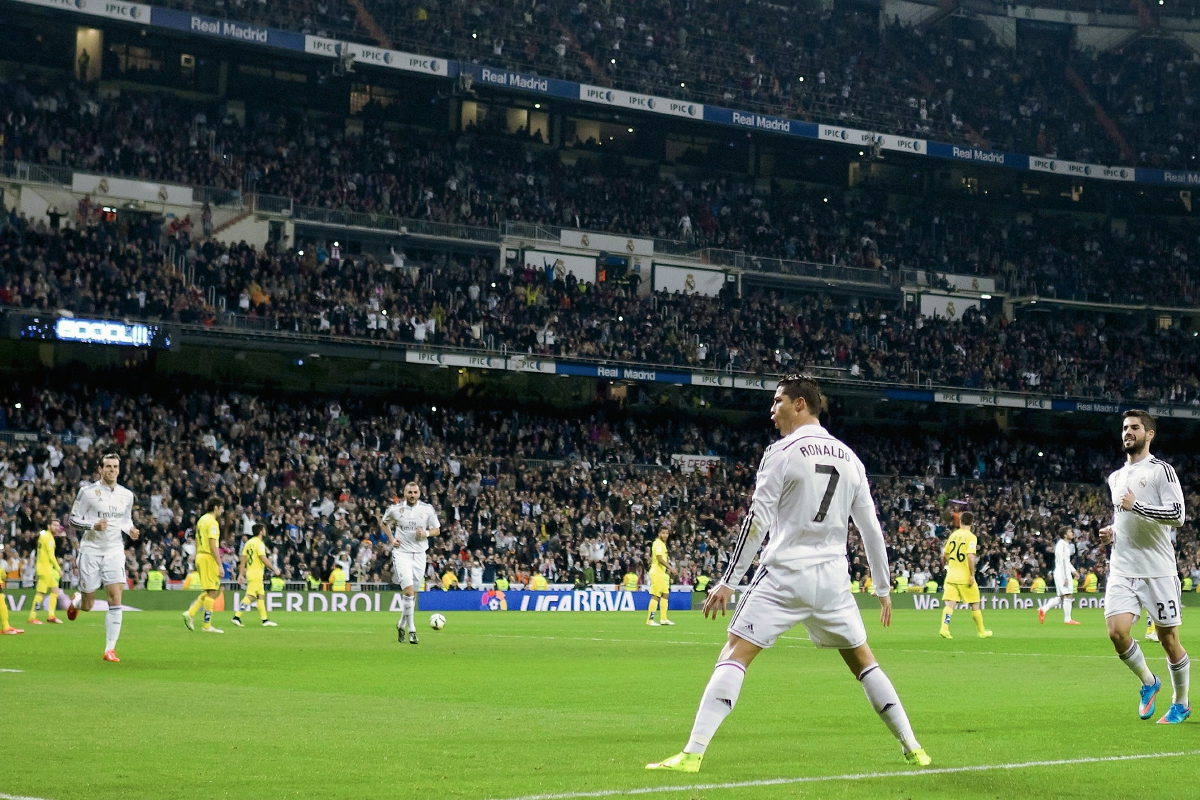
(11, 631)
(111, 655)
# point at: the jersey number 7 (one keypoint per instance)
(830, 488)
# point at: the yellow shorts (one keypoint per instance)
(254, 587)
(961, 593)
(47, 583)
(210, 573)
(660, 585)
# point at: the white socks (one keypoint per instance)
(1067, 608)
(1179, 680)
(720, 696)
(883, 698)
(112, 628)
(1055, 603)
(407, 621)
(1136, 661)
(63, 600)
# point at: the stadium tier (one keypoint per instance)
(576, 501)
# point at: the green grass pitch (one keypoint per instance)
(506, 705)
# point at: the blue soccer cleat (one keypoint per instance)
(1149, 693)
(1176, 714)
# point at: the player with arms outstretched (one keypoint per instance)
(102, 512)
(251, 567)
(1064, 573)
(1147, 503)
(48, 575)
(959, 554)
(808, 488)
(409, 526)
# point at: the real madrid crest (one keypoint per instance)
(629, 245)
(103, 186)
(1142, 483)
(585, 241)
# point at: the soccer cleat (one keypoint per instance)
(187, 620)
(34, 621)
(652, 623)
(211, 629)
(1152, 634)
(55, 621)
(11, 631)
(1176, 714)
(111, 655)
(412, 637)
(269, 624)
(399, 634)
(1041, 616)
(985, 635)
(918, 757)
(680, 762)
(945, 633)
(666, 622)
(1149, 693)
(237, 622)
(72, 612)
(1072, 622)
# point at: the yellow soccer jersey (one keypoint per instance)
(659, 548)
(208, 533)
(256, 558)
(47, 564)
(962, 543)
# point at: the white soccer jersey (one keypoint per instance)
(95, 502)
(809, 486)
(403, 521)
(1063, 550)
(1142, 538)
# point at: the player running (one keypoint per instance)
(208, 551)
(660, 581)
(1147, 503)
(961, 587)
(102, 512)
(48, 575)
(251, 567)
(409, 526)
(809, 486)
(1064, 572)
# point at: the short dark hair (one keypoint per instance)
(258, 529)
(1147, 421)
(212, 504)
(966, 518)
(796, 386)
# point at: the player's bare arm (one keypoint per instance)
(885, 610)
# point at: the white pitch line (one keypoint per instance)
(19, 797)
(859, 776)
(10, 670)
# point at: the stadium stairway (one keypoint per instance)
(1106, 122)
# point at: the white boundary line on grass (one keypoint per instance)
(10, 670)
(860, 776)
(19, 797)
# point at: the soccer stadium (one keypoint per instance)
(455, 398)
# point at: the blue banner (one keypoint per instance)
(517, 600)
(978, 155)
(225, 29)
(518, 80)
(760, 122)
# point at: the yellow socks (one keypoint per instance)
(651, 608)
(195, 606)
(261, 605)
(946, 617)
(978, 617)
(37, 598)
(51, 603)
(3, 612)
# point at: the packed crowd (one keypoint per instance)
(570, 499)
(484, 180)
(118, 270)
(951, 82)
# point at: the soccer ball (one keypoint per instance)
(437, 622)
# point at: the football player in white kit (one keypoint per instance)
(409, 526)
(1064, 548)
(102, 512)
(809, 486)
(1147, 503)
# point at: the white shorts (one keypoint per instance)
(96, 570)
(408, 569)
(1161, 597)
(817, 597)
(1063, 585)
